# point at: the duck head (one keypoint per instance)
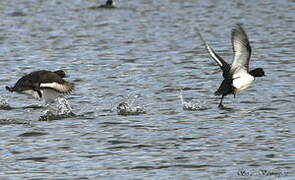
(258, 72)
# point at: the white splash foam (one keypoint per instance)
(190, 106)
(61, 111)
(64, 107)
(4, 103)
(130, 106)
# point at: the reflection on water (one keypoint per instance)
(151, 48)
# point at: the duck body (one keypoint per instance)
(237, 76)
(43, 84)
(108, 4)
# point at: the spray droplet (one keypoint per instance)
(130, 107)
(190, 106)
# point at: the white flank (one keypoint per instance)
(32, 93)
(63, 88)
(49, 95)
(242, 81)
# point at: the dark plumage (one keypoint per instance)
(43, 84)
(108, 4)
(237, 76)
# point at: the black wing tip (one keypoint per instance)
(239, 25)
(72, 88)
(238, 28)
(208, 48)
(200, 35)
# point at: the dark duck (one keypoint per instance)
(237, 76)
(43, 84)
(108, 4)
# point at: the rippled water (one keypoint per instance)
(147, 48)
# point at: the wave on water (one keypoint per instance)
(13, 121)
(191, 106)
(61, 111)
(130, 106)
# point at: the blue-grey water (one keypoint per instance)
(149, 50)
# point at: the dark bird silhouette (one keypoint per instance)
(237, 76)
(108, 4)
(43, 84)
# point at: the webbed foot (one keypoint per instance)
(220, 106)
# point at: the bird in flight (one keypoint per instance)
(237, 76)
(43, 84)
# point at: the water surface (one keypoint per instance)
(151, 49)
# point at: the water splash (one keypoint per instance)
(64, 107)
(191, 106)
(4, 104)
(130, 106)
(61, 111)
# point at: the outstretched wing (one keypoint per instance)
(241, 48)
(222, 63)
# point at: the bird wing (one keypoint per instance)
(222, 63)
(241, 48)
(52, 80)
(64, 87)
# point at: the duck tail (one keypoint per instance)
(10, 89)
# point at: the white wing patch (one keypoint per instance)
(62, 88)
(213, 54)
(210, 50)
